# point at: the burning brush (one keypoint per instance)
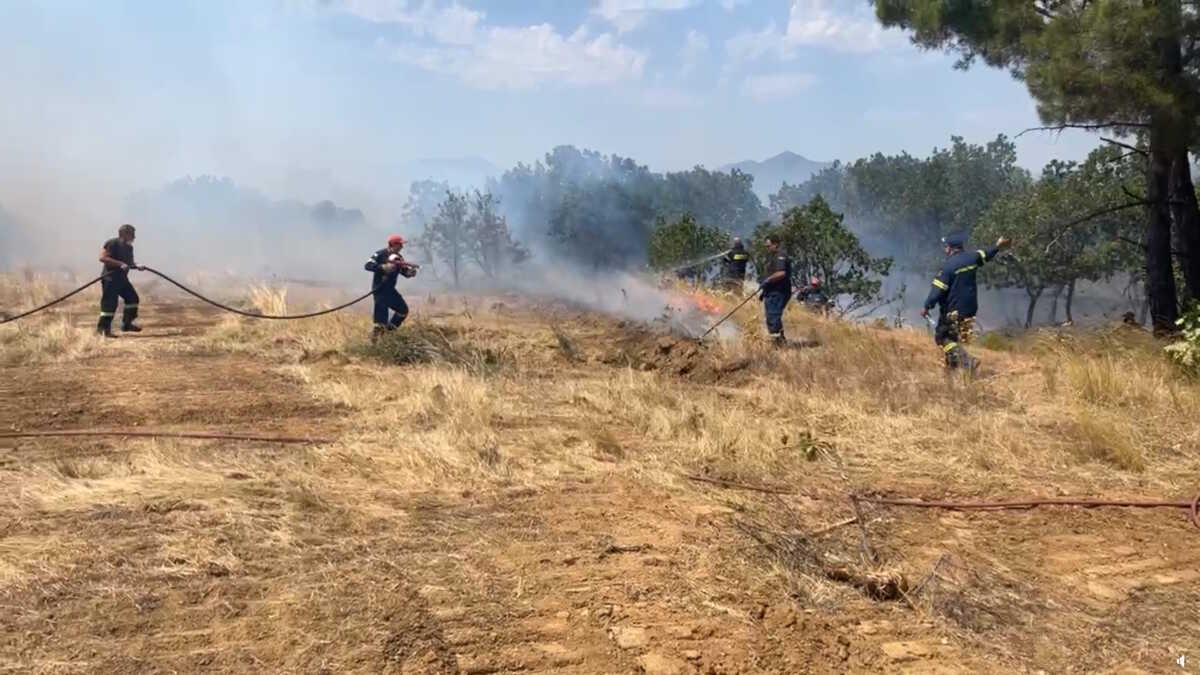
(689, 315)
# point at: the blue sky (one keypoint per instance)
(103, 97)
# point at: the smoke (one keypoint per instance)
(616, 293)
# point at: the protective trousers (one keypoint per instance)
(390, 299)
(948, 335)
(773, 306)
(112, 288)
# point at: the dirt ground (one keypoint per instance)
(550, 517)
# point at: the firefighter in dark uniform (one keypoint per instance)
(776, 289)
(117, 258)
(735, 261)
(385, 266)
(956, 295)
(813, 297)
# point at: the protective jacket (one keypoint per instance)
(118, 250)
(380, 279)
(954, 288)
(735, 262)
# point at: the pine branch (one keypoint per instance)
(1141, 245)
(1092, 216)
(1088, 127)
(1131, 148)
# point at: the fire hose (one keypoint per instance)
(1193, 505)
(54, 302)
(199, 296)
(726, 317)
(194, 435)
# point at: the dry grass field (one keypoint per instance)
(511, 485)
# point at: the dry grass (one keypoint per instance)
(872, 397)
(480, 404)
(46, 341)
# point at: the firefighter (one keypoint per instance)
(955, 293)
(117, 258)
(735, 261)
(776, 289)
(813, 296)
(385, 265)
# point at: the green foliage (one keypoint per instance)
(726, 200)
(1130, 67)
(470, 229)
(419, 210)
(1049, 249)
(448, 231)
(820, 245)
(1186, 351)
(490, 243)
(674, 243)
(603, 209)
(913, 201)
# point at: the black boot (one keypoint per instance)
(104, 326)
(127, 318)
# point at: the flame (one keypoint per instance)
(705, 304)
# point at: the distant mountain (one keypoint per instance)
(769, 174)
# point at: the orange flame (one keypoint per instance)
(705, 304)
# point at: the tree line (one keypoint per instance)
(1070, 223)
(1127, 69)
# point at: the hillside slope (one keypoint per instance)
(514, 485)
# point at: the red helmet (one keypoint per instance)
(395, 240)
(814, 281)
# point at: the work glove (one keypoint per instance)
(124, 267)
(924, 313)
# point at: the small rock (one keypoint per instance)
(778, 618)
(630, 637)
(681, 632)
(691, 655)
(656, 663)
(906, 651)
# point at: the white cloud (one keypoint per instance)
(693, 48)
(455, 40)
(814, 23)
(764, 88)
(521, 58)
(628, 15)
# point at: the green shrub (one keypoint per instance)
(1186, 352)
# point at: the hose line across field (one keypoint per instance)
(197, 295)
(48, 305)
(193, 435)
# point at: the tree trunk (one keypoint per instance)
(1070, 297)
(1160, 276)
(1187, 223)
(1054, 304)
(1033, 299)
